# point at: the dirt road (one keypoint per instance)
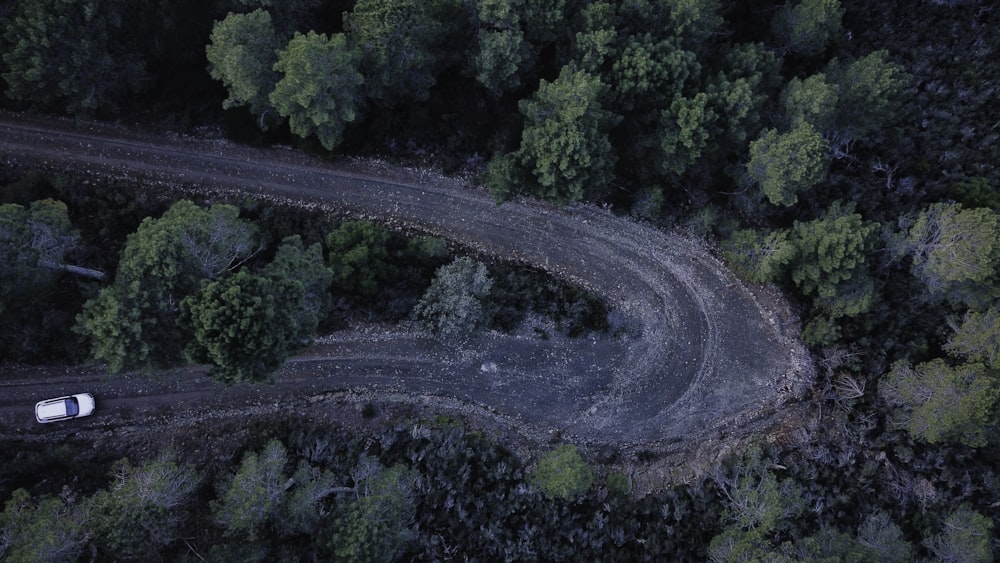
(708, 357)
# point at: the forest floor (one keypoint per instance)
(706, 364)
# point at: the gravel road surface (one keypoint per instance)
(709, 355)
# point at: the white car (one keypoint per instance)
(63, 408)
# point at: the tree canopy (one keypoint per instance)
(452, 306)
(952, 246)
(937, 402)
(242, 52)
(305, 266)
(187, 244)
(376, 525)
(830, 260)
(685, 132)
(870, 92)
(649, 72)
(807, 27)
(564, 146)
(965, 536)
(743, 123)
(360, 257)
(563, 473)
(748, 75)
(34, 241)
(245, 325)
(499, 60)
(813, 101)
(141, 507)
(319, 91)
(977, 339)
(52, 64)
(397, 40)
(136, 321)
(786, 164)
(502, 52)
(759, 257)
(43, 529)
(253, 493)
(757, 504)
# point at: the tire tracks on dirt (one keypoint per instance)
(707, 358)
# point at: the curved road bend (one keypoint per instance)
(707, 354)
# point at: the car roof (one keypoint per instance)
(52, 408)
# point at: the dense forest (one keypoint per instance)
(843, 151)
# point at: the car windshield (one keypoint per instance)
(72, 407)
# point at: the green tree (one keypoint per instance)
(34, 244)
(34, 241)
(304, 510)
(245, 325)
(37, 236)
(975, 192)
(544, 20)
(562, 473)
(936, 402)
(51, 63)
(757, 505)
(853, 297)
(685, 131)
(849, 101)
(885, 539)
(821, 330)
(953, 247)
(114, 325)
(376, 525)
(735, 545)
(295, 262)
(502, 54)
(870, 92)
(758, 257)
(807, 27)
(830, 260)
(757, 500)
(360, 258)
(596, 42)
(565, 145)
(136, 321)
(397, 39)
(786, 164)
(966, 537)
(242, 52)
(505, 176)
(695, 20)
(977, 339)
(649, 72)
(144, 507)
(830, 545)
(320, 89)
(46, 529)
(500, 59)
(248, 499)
(813, 101)
(739, 92)
(452, 306)
(651, 84)
(172, 254)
